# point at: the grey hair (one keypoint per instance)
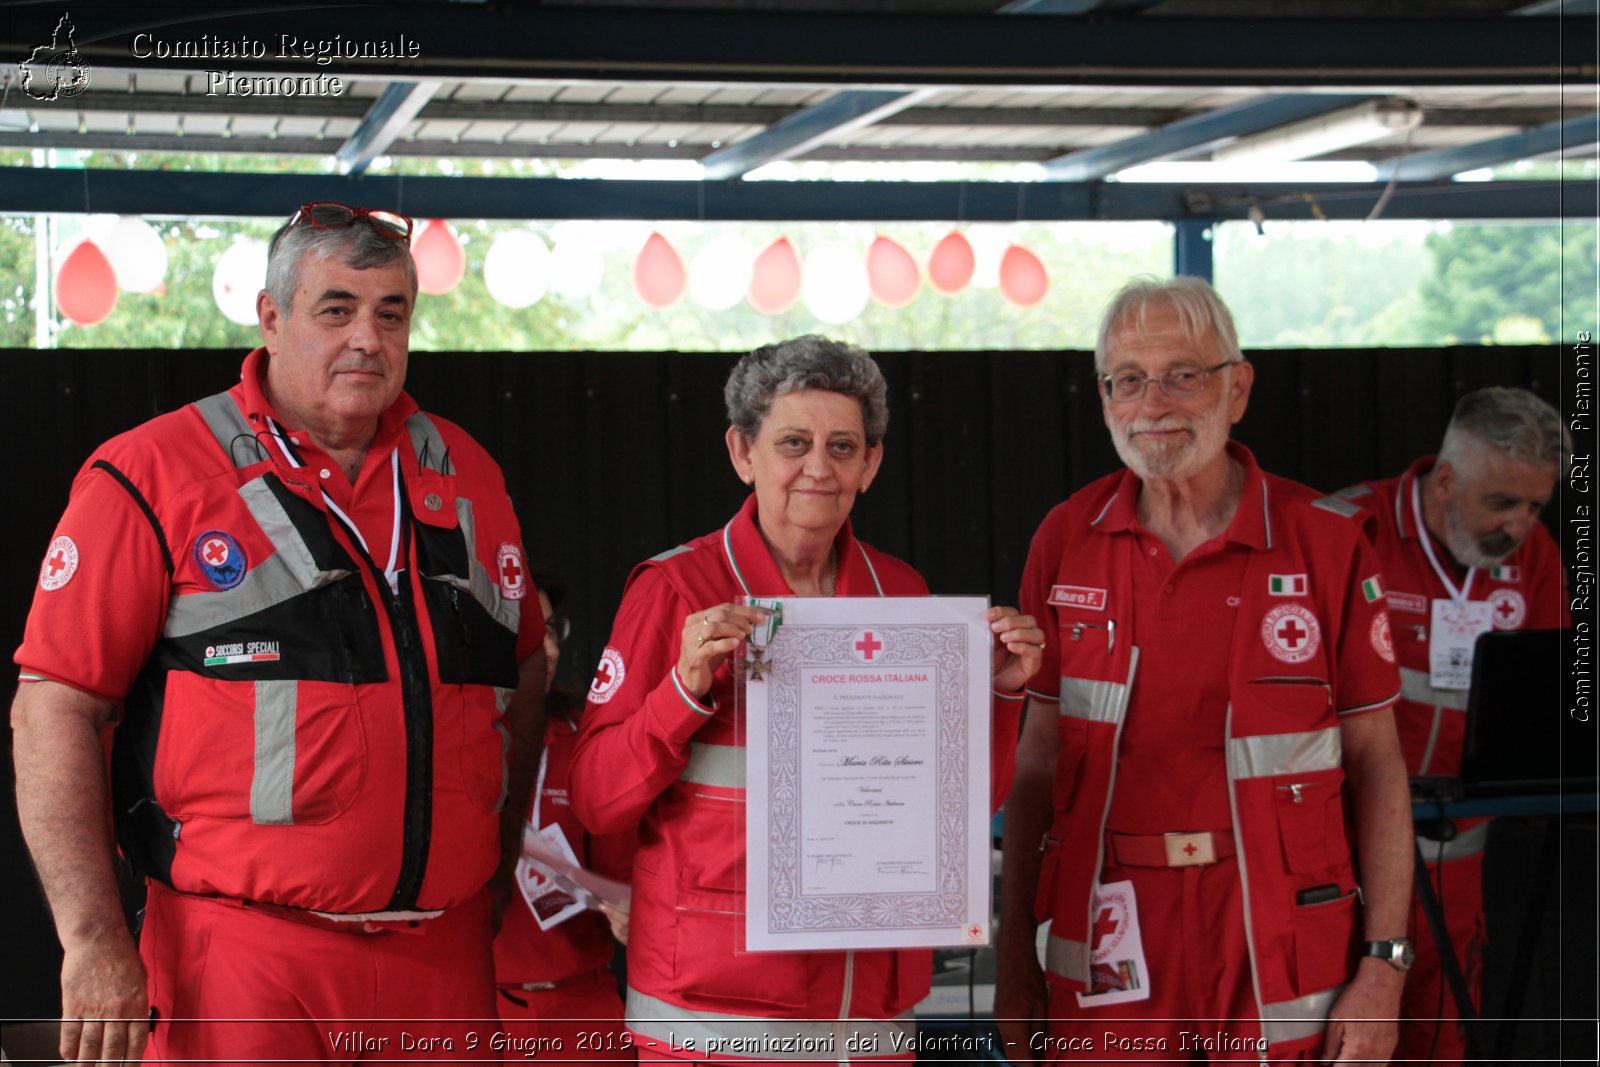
(1510, 421)
(1199, 309)
(809, 362)
(359, 245)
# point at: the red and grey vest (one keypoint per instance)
(1282, 748)
(305, 735)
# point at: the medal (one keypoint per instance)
(761, 636)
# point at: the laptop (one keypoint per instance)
(1520, 734)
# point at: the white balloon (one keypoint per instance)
(989, 244)
(834, 282)
(576, 267)
(719, 274)
(137, 254)
(240, 274)
(517, 268)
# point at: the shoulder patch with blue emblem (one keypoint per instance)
(220, 558)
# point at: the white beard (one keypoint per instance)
(1206, 440)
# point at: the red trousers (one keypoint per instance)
(1429, 1026)
(231, 982)
(1202, 1002)
(579, 1020)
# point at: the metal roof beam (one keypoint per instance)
(385, 120)
(1195, 132)
(812, 127)
(1074, 7)
(189, 194)
(1574, 133)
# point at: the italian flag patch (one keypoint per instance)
(1506, 574)
(1286, 584)
(1372, 589)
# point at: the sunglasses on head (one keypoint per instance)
(329, 216)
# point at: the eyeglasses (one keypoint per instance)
(558, 626)
(1185, 381)
(329, 216)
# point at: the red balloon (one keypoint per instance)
(1023, 279)
(951, 263)
(775, 278)
(892, 273)
(86, 286)
(440, 259)
(658, 272)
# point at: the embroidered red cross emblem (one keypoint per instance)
(510, 569)
(1103, 924)
(1189, 849)
(57, 563)
(602, 676)
(868, 645)
(1506, 609)
(1291, 633)
(215, 553)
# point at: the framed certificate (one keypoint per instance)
(867, 756)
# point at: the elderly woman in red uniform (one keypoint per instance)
(661, 745)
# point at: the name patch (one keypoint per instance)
(1078, 596)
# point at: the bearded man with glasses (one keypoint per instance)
(296, 608)
(1219, 685)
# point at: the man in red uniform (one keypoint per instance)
(299, 604)
(1463, 552)
(1216, 690)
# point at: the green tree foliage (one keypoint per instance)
(1487, 281)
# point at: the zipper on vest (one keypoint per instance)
(461, 620)
(416, 699)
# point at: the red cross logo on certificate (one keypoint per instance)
(1104, 923)
(869, 646)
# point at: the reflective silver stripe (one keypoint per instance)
(1084, 698)
(1265, 755)
(719, 765)
(272, 786)
(669, 553)
(227, 426)
(870, 569)
(287, 573)
(1266, 512)
(1296, 1020)
(1067, 959)
(1337, 505)
(1468, 842)
(428, 445)
(1414, 686)
(764, 1038)
(1351, 492)
(484, 587)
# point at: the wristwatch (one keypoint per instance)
(1397, 953)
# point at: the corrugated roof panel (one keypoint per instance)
(156, 124)
(254, 125)
(485, 130)
(583, 93)
(104, 121)
(299, 127)
(465, 91)
(205, 125)
(534, 132)
(536, 93)
(438, 130)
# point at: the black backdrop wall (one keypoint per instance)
(611, 458)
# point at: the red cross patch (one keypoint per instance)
(1507, 608)
(60, 564)
(1291, 633)
(1382, 640)
(513, 573)
(607, 677)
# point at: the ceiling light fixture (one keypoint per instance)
(1318, 136)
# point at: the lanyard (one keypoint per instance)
(1459, 596)
(390, 571)
(538, 787)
